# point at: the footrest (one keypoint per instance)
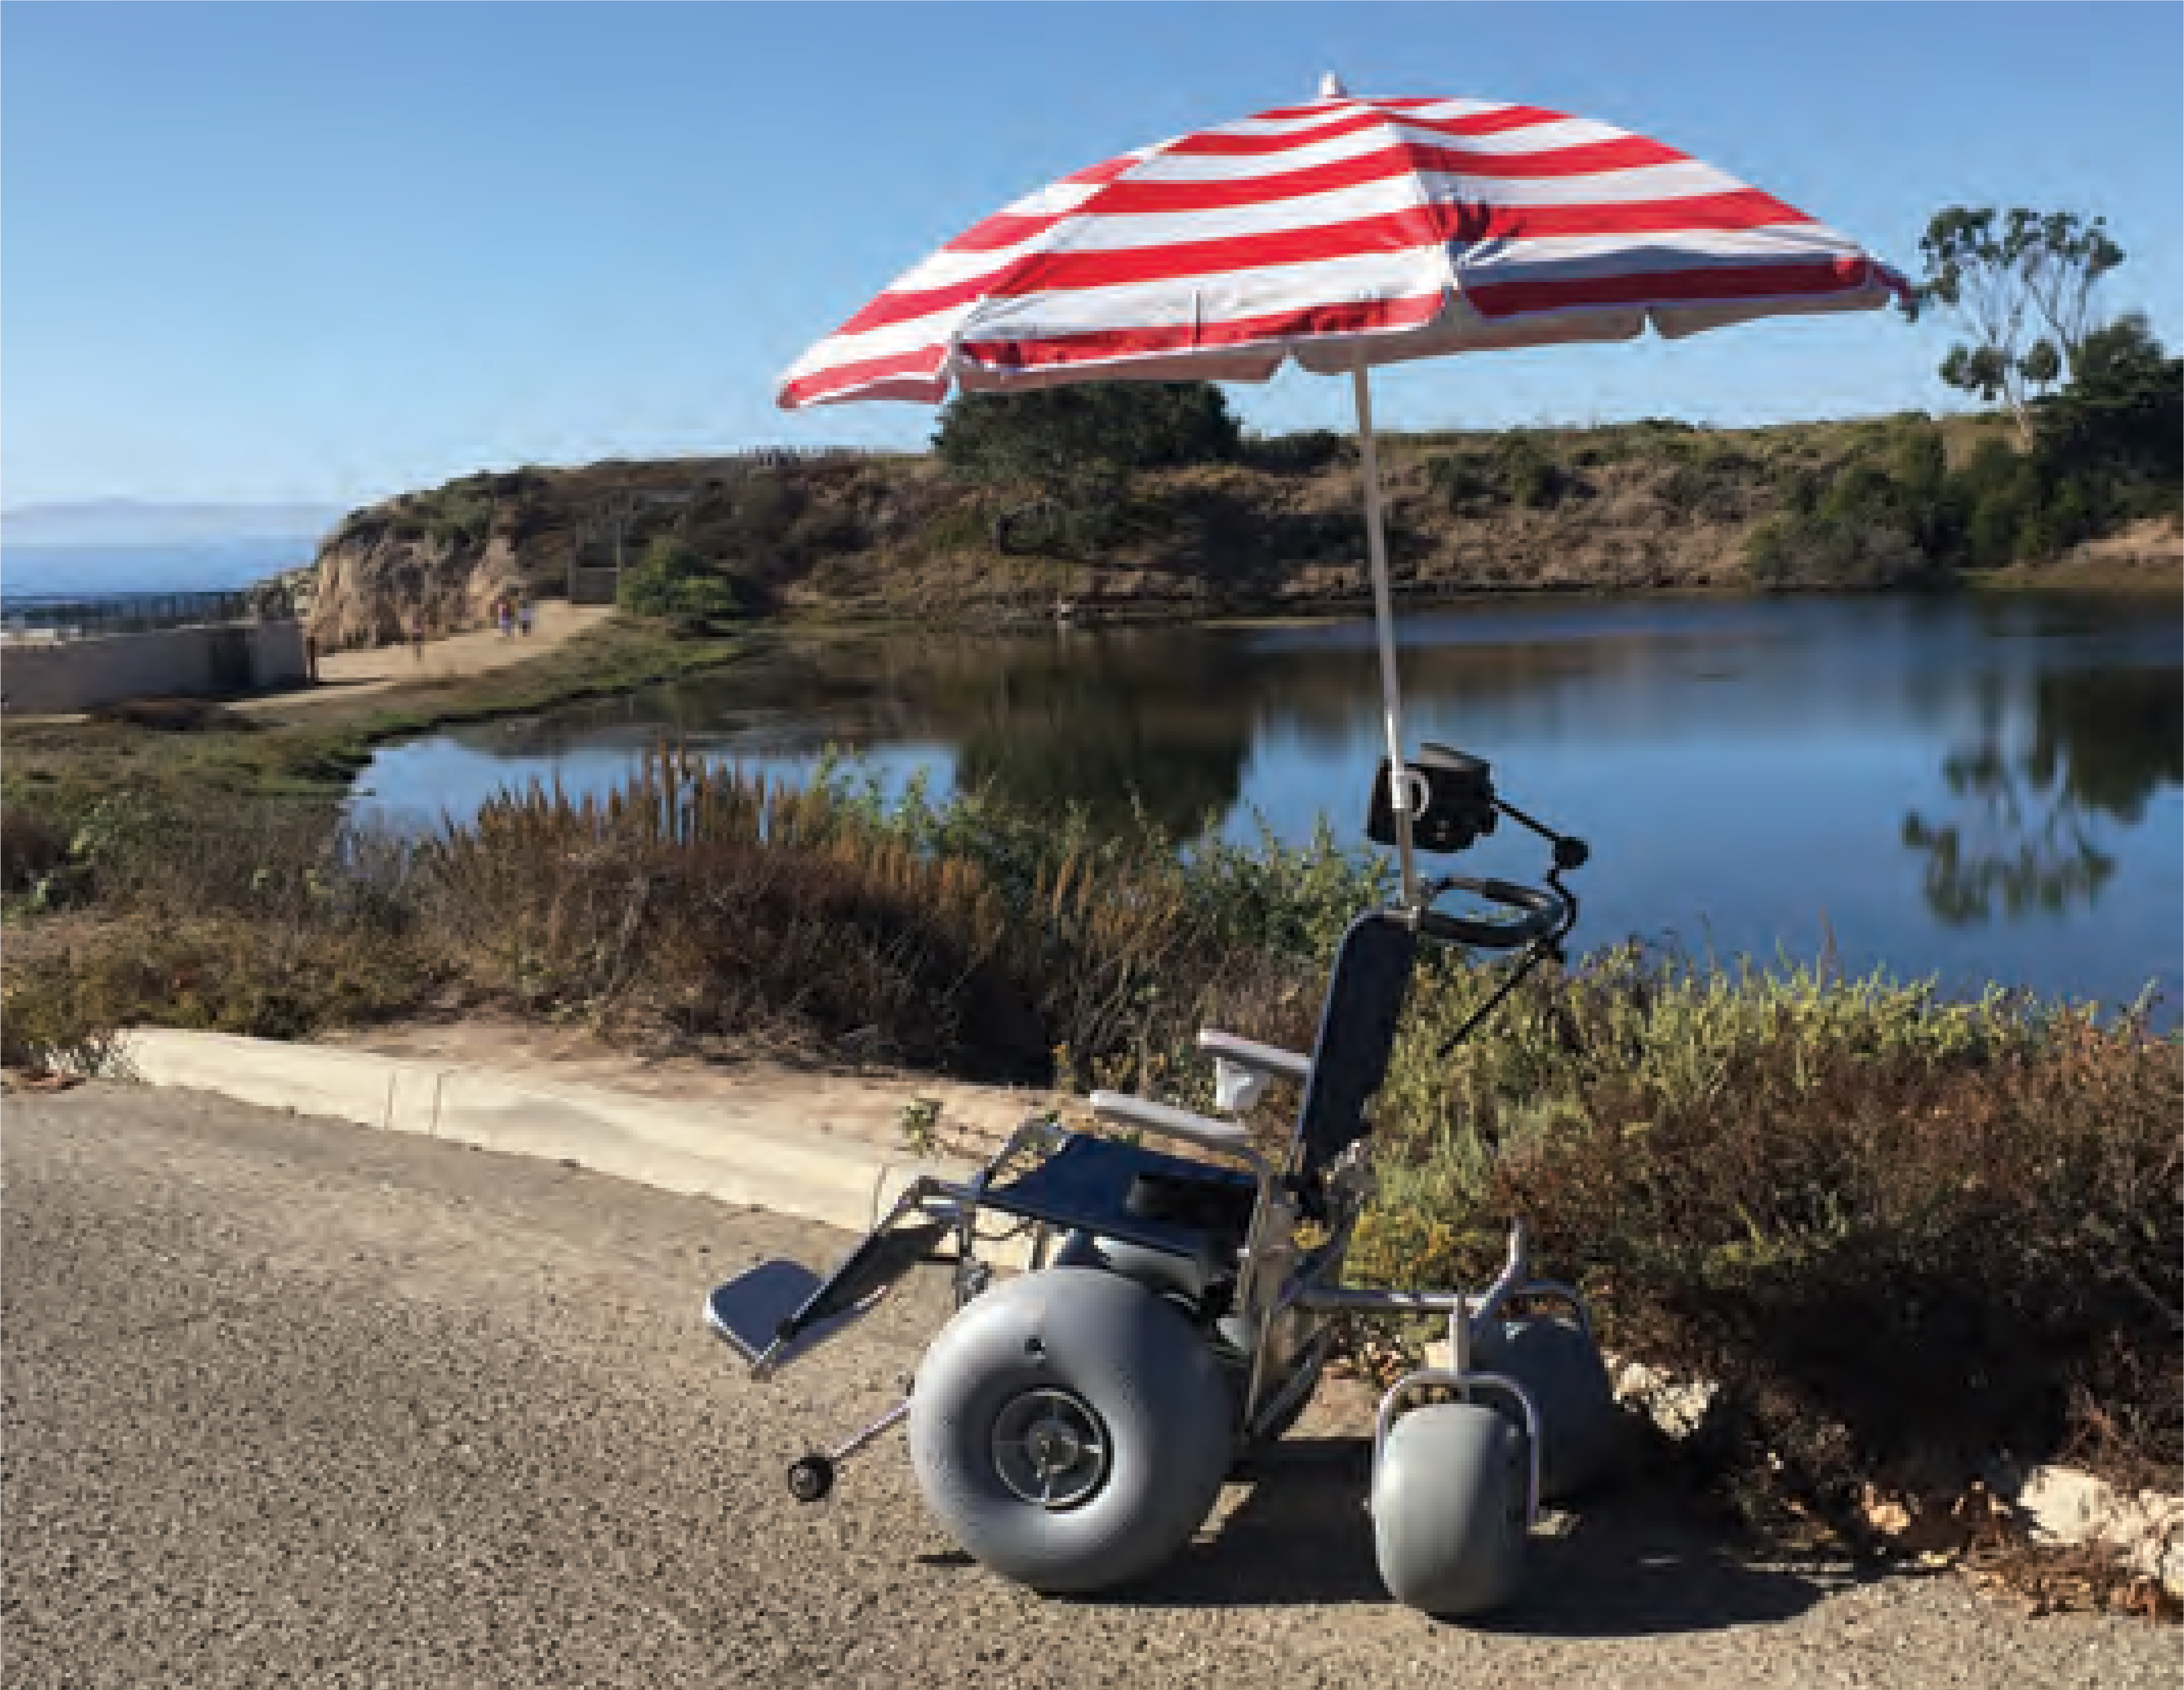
(749, 1311)
(781, 1310)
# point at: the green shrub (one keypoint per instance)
(1801, 486)
(1714, 485)
(1898, 1227)
(1044, 436)
(1529, 476)
(1831, 551)
(672, 581)
(2117, 429)
(459, 514)
(1463, 481)
(1307, 452)
(1918, 463)
(1862, 491)
(33, 844)
(954, 529)
(1767, 553)
(1515, 470)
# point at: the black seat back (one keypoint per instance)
(1356, 1034)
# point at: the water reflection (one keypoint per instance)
(2024, 833)
(1970, 789)
(1053, 736)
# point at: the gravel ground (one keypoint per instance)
(287, 1402)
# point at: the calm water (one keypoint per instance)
(1969, 788)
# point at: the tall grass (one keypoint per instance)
(1891, 1222)
(694, 904)
(260, 918)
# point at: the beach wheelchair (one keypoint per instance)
(1071, 1425)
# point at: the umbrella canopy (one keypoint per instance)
(1344, 233)
(1340, 232)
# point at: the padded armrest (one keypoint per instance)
(1266, 1059)
(1173, 1123)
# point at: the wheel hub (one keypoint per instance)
(1050, 1448)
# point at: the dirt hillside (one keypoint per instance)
(1647, 505)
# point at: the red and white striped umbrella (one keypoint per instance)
(1345, 233)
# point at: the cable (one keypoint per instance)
(1549, 945)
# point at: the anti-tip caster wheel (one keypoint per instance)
(812, 1478)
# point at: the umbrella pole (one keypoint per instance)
(1384, 619)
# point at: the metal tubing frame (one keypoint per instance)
(1514, 1268)
(1297, 1293)
(1384, 621)
(894, 1417)
(782, 1351)
(1561, 1293)
(1311, 1360)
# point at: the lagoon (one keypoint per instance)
(1976, 787)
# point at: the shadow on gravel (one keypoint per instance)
(1627, 1565)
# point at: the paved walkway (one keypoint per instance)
(291, 1401)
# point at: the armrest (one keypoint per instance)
(1170, 1122)
(1275, 1063)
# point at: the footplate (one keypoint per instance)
(781, 1311)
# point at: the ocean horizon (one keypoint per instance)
(28, 571)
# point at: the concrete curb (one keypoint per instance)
(697, 1148)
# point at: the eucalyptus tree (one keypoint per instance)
(2022, 283)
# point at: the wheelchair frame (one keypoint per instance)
(1285, 1293)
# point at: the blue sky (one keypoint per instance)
(329, 252)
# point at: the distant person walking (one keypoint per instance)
(417, 635)
(501, 608)
(523, 618)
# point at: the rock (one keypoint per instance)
(2062, 1505)
(1933, 1526)
(1679, 1408)
(373, 578)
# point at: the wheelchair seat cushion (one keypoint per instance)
(1089, 1185)
(1222, 1209)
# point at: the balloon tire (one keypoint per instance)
(1448, 1509)
(1149, 1379)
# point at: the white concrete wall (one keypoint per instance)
(43, 677)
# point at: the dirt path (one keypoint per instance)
(345, 676)
(291, 1401)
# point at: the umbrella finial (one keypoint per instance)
(1331, 88)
